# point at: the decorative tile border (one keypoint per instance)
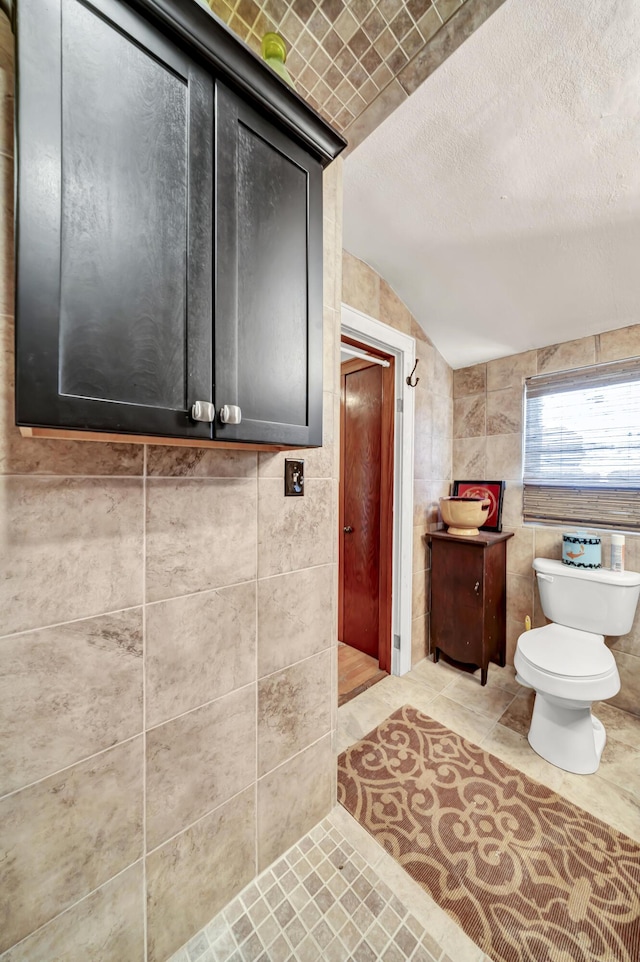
(343, 54)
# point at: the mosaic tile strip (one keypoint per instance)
(320, 901)
(342, 53)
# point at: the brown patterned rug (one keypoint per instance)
(527, 875)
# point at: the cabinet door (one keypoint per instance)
(457, 572)
(114, 295)
(268, 299)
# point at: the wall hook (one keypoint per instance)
(411, 382)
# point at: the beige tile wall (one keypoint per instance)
(167, 664)
(488, 404)
(368, 292)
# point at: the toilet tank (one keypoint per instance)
(597, 600)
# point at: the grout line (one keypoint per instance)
(115, 611)
(66, 768)
(160, 601)
(197, 821)
(251, 479)
(72, 477)
(145, 912)
(301, 661)
(71, 621)
(204, 591)
(479, 711)
(479, 741)
(48, 476)
(256, 798)
(293, 571)
(69, 908)
(191, 711)
(297, 754)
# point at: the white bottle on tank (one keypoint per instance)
(617, 552)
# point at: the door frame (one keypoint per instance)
(402, 347)
(385, 526)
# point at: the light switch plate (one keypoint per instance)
(293, 478)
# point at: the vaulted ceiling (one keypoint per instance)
(493, 177)
(501, 200)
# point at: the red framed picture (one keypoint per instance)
(494, 490)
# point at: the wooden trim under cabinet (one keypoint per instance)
(63, 435)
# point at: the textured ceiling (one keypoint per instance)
(502, 199)
(354, 61)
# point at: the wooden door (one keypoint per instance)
(115, 175)
(268, 301)
(366, 509)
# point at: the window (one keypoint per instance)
(582, 446)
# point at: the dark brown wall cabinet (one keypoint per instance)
(469, 598)
(169, 228)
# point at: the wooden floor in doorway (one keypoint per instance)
(356, 672)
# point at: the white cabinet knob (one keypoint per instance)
(203, 411)
(230, 414)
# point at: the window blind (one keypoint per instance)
(582, 446)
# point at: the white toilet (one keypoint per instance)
(568, 663)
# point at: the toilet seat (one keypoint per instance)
(567, 663)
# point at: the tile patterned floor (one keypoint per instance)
(322, 900)
(337, 896)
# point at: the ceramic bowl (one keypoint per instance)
(464, 516)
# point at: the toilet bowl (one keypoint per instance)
(567, 662)
(569, 669)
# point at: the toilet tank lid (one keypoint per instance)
(549, 566)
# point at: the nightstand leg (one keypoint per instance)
(436, 654)
(483, 675)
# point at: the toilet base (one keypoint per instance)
(566, 734)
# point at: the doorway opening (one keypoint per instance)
(376, 503)
(365, 516)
